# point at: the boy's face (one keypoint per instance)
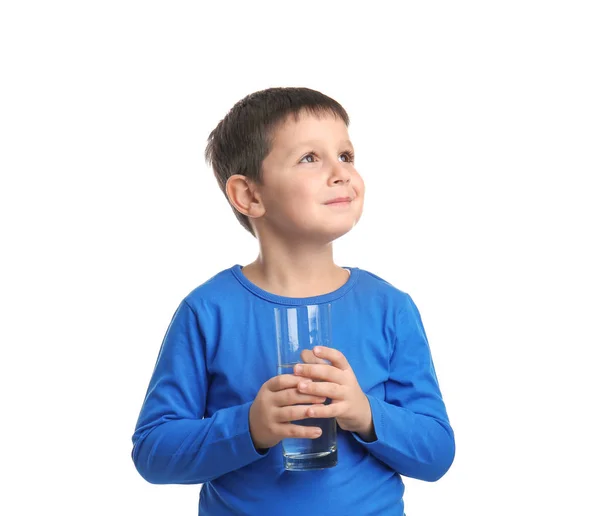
(310, 165)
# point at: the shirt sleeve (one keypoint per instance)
(413, 433)
(173, 442)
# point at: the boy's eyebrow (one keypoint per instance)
(313, 142)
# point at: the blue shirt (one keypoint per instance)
(216, 354)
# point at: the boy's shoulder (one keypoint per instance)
(395, 297)
(373, 281)
(215, 288)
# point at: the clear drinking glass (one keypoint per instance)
(299, 329)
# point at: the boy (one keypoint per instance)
(215, 411)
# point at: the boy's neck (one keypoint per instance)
(296, 272)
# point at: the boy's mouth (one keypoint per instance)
(339, 200)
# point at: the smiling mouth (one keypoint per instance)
(339, 202)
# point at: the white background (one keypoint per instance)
(477, 131)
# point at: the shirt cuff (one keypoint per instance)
(376, 415)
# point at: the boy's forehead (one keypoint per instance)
(310, 129)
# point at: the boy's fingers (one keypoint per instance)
(283, 381)
(335, 356)
(300, 431)
(330, 390)
(308, 357)
(293, 396)
(325, 411)
(289, 414)
(319, 372)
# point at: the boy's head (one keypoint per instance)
(280, 156)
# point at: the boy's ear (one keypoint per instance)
(243, 196)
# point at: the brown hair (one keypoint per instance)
(244, 137)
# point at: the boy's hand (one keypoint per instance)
(349, 404)
(273, 409)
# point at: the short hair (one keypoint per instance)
(244, 137)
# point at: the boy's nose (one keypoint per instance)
(339, 174)
(342, 181)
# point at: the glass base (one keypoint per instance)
(310, 461)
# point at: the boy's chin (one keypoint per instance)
(327, 235)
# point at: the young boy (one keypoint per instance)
(215, 411)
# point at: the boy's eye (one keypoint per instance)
(307, 156)
(349, 157)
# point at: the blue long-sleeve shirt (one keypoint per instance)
(216, 354)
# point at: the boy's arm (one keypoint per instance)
(412, 431)
(173, 443)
